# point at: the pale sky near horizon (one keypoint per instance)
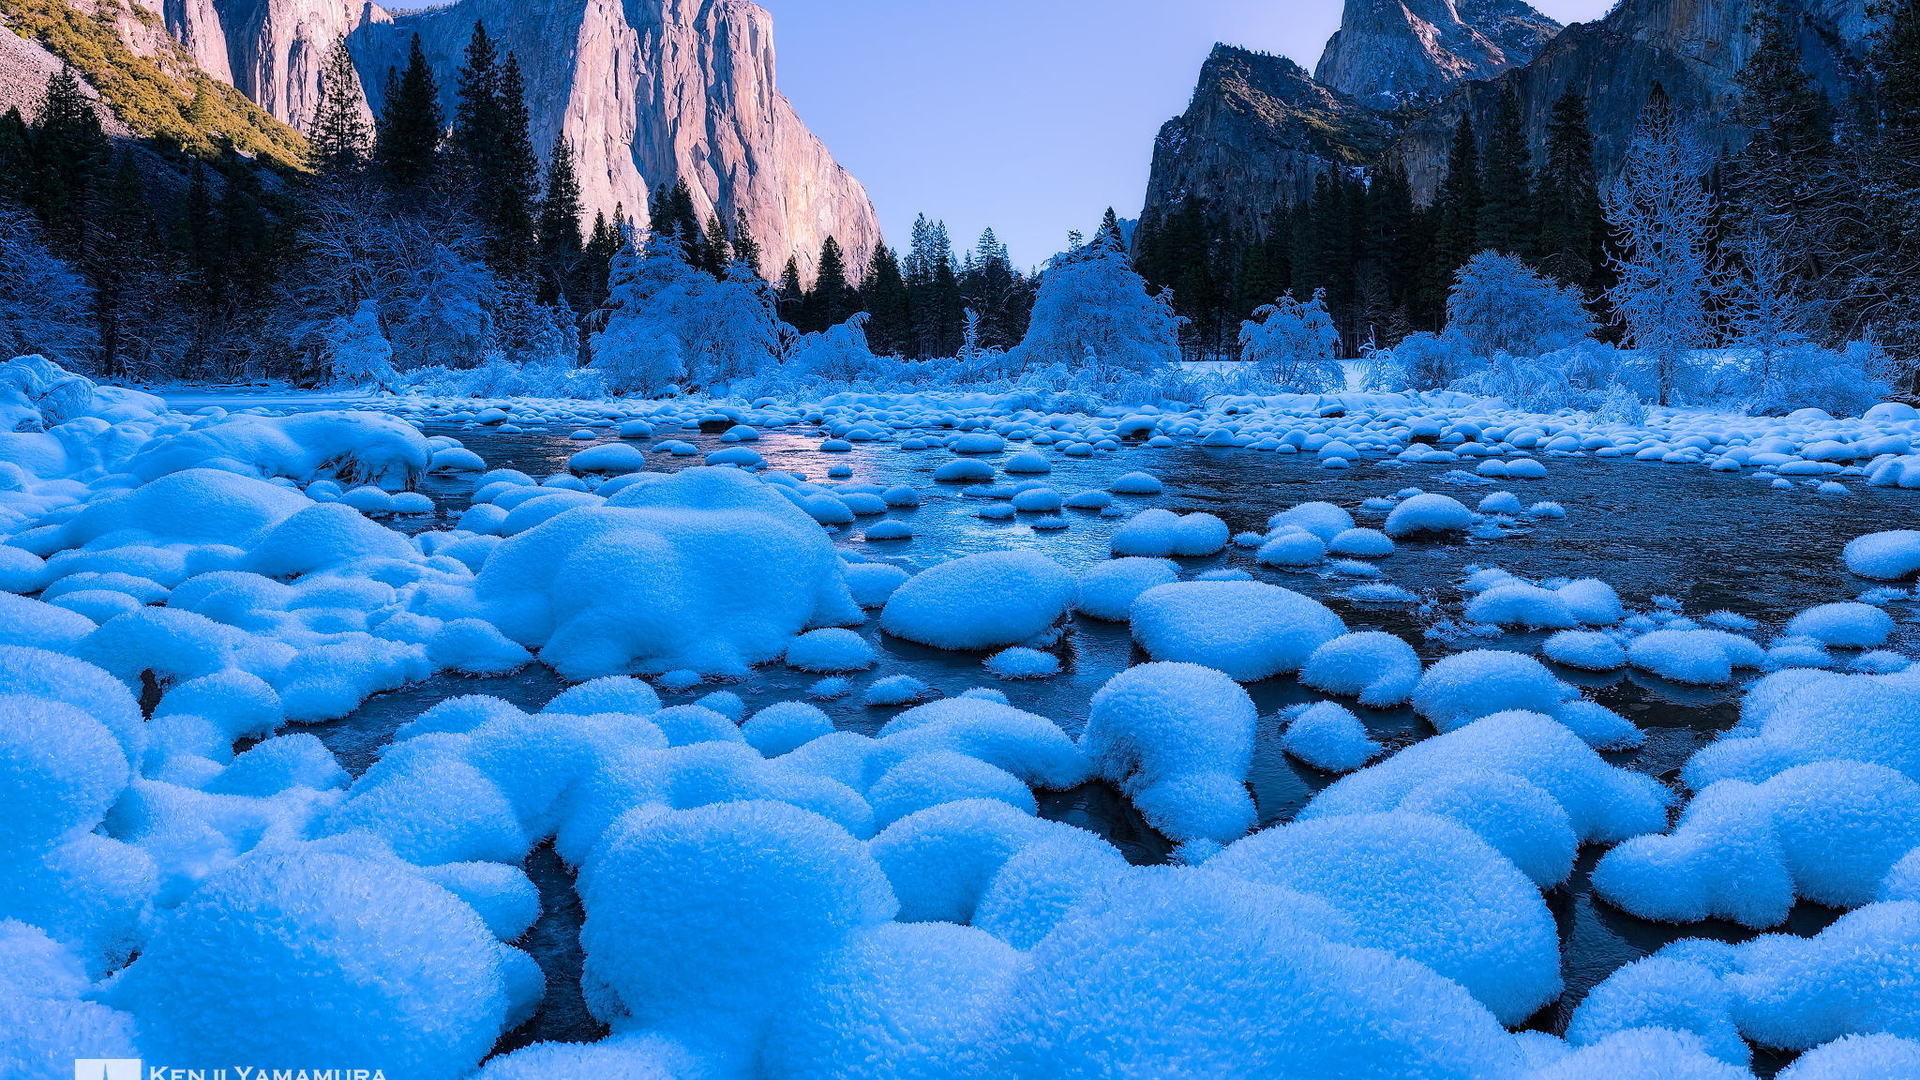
(1030, 116)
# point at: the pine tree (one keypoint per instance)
(16, 149)
(118, 258)
(476, 116)
(933, 291)
(561, 249)
(603, 243)
(832, 299)
(746, 250)
(998, 293)
(70, 154)
(1109, 233)
(790, 296)
(1507, 215)
(883, 293)
(670, 212)
(1459, 205)
(412, 124)
(338, 140)
(1573, 227)
(514, 175)
(716, 250)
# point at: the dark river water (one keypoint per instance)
(1708, 540)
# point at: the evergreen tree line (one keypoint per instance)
(1824, 194)
(916, 308)
(1384, 262)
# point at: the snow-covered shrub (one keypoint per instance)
(1805, 376)
(1577, 377)
(1500, 304)
(360, 353)
(1094, 310)
(667, 323)
(1423, 361)
(838, 355)
(1294, 344)
(44, 303)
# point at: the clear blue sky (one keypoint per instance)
(1031, 116)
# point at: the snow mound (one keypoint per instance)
(1376, 667)
(744, 902)
(982, 601)
(1178, 740)
(1108, 590)
(1157, 533)
(706, 570)
(1421, 887)
(1829, 832)
(1884, 556)
(344, 958)
(1250, 630)
(1328, 737)
(1187, 973)
(1428, 513)
(1461, 688)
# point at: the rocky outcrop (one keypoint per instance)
(653, 91)
(25, 67)
(1389, 53)
(648, 92)
(1692, 48)
(1258, 134)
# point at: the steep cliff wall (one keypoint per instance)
(1258, 134)
(653, 91)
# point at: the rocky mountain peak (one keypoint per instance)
(1393, 52)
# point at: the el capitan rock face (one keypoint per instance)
(653, 91)
(1393, 52)
(1258, 134)
(647, 91)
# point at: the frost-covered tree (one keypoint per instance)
(1662, 217)
(1500, 304)
(1092, 306)
(44, 303)
(1767, 315)
(1294, 345)
(359, 353)
(668, 323)
(426, 274)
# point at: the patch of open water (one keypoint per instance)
(1709, 540)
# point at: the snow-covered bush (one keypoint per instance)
(1844, 383)
(44, 303)
(1093, 310)
(1500, 304)
(360, 353)
(1294, 344)
(667, 323)
(1423, 361)
(1576, 377)
(838, 355)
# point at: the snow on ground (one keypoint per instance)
(768, 891)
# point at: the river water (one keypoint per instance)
(1707, 540)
